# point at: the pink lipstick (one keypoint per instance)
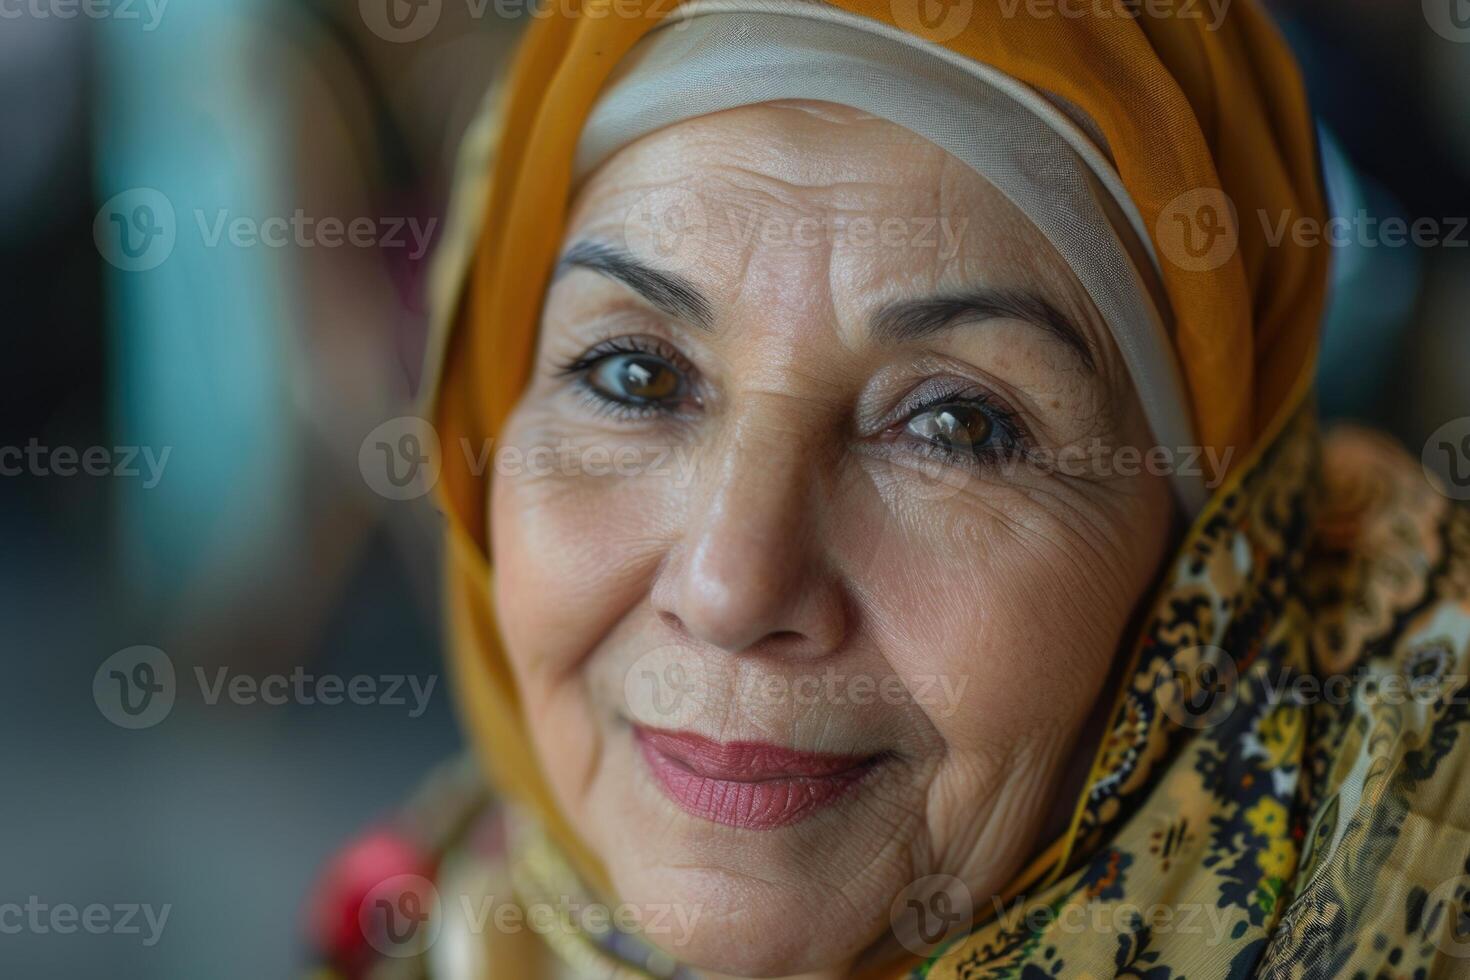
(751, 785)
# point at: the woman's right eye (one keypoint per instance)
(636, 379)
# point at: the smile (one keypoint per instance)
(750, 785)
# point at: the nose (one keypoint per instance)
(748, 575)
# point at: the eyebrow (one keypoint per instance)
(910, 320)
(671, 293)
(900, 322)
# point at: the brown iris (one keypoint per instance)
(956, 428)
(635, 378)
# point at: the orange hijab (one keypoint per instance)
(1198, 121)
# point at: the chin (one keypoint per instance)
(809, 894)
(741, 926)
(760, 859)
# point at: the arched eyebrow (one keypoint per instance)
(910, 320)
(669, 292)
(900, 322)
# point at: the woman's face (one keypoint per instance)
(798, 611)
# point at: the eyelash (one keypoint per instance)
(599, 402)
(1007, 441)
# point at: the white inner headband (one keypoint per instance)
(712, 55)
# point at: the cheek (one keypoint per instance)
(1000, 618)
(1012, 621)
(578, 525)
(574, 548)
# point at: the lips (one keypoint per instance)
(750, 785)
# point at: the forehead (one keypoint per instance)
(801, 221)
(808, 187)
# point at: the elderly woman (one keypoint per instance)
(888, 529)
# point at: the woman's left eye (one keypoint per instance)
(966, 429)
(953, 428)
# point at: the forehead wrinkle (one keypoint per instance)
(819, 132)
(754, 196)
(921, 195)
(835, 195)
(1029, 258)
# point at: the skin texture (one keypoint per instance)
(799, 528)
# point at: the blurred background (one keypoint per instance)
(187, 386)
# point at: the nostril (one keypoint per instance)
(779, 643)
(674, 623)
